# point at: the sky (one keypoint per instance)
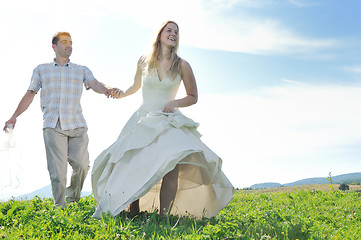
(278, 80)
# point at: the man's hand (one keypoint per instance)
(114, 93)
(9, 124)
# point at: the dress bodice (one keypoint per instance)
(156, 92)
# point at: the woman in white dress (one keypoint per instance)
(158, 161)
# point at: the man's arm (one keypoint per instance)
(23, 105)
(101, 88)
(98, 87)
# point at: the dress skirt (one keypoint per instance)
(150, 145)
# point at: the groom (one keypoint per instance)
(64, 127)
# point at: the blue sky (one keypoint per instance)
(279, 80)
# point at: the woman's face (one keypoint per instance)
(169, 35)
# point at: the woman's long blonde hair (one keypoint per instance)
(151, 60)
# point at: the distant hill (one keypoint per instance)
(266, 185)
(344, 178)
(314, 187)
(44, 192)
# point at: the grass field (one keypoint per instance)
(308, 212)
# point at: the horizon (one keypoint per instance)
(45, 192)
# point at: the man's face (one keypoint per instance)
(64, 47)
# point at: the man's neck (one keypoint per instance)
(61, 61)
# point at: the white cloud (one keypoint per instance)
(353, 69)
(288, 81)
(224, 28)
(222, 5)
(282, 133)
(212, 25)
(204, 24)
(252, 35)
(304, 3)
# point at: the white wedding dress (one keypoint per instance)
(150, 145)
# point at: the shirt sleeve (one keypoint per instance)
(36, 82)
(88, 76)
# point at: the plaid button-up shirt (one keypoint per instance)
(61, 90)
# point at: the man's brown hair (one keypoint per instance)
(55, 38)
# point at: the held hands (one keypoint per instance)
(114, 93)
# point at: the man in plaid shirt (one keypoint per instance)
(64, 128)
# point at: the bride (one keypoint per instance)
(158, 161)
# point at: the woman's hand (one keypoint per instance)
(114, 93)
(169, 107)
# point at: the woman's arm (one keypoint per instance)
(190, 86)
(136, 84)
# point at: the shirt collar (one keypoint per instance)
(68, 64)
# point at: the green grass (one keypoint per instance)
(301, 214)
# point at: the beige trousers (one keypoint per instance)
(63, 147)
